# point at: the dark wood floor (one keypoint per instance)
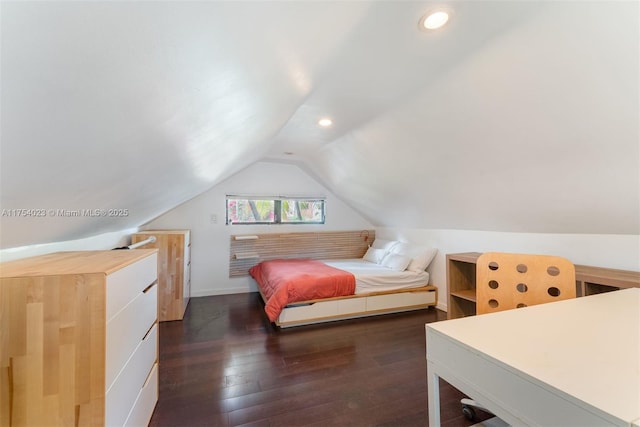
(226, 365)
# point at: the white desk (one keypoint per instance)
(568, 363)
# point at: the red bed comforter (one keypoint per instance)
(283, 281)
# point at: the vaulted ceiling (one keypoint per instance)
(516, 116)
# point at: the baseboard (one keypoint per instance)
(226, 291)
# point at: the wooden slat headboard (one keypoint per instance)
(315, 245)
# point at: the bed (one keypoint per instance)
(390, 278)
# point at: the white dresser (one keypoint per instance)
(79, 339)
(174, 270)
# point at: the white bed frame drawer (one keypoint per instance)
(126, 330)
(121, 397)
(123, 285)
(318, 309)
(322, 309)
(351, 305)
(356, 306)
(142, 410)
(402, 299)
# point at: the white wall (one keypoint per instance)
(600, 250)
(210, 242)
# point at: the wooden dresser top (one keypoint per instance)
(74, 262)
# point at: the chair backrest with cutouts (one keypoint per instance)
(505, 281)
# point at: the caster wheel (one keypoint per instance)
(468, 412)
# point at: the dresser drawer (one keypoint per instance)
(122, 395)
(142, 410)
(126, 330)
(125, 284)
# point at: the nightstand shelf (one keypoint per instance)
(461, 284)
(467, 294)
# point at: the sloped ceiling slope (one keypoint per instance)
(517, 116)
(533, 129)
(143, 105)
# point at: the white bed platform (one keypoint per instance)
(354, 306)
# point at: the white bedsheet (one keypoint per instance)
(372, 277)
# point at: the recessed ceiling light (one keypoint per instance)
(325, 122)
(288, 153)
(434, 20)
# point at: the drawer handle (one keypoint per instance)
(10, 379)
(145, 335)
(148, 288)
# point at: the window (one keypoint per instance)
(275, 210)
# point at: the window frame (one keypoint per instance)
(277, 209)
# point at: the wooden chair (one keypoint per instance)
(505, 281)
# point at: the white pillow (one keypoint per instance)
(396, 262)
(374, 255)
(384, 244)
(422, 261)
(420, 256)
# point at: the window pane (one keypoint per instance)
(303, 211)
(250, 211)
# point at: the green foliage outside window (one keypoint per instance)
(275, 211)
